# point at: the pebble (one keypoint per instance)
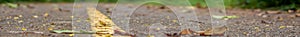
(157, 28)
(264, 16)
(16, 18)
(260, 14)
(35, 16)
(20, 15)
(291, 11)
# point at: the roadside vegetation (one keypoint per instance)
(247, 4)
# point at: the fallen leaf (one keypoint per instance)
(150, 36)
(273, 12)
(229, 17)
(185, 32)
(71, 34)
(280, 18)
(20, 21)
(98, 20)
(72, 16)
(218, 17)
(50, 28)
(61, 31)
(225, 17)
(280, 27)
(217, 31)
(24, 29)
(298, 14)
(174, 20)
(46, 15)
(157, 28)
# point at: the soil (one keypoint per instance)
(146, 20)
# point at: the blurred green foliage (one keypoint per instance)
(252, 4)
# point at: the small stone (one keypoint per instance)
(273, 12)
(157, 28)
(265, 16)
(35, 16)
(16, 18)
(20, 21)
(260, 14)
(291, 11)
(20, 15)
(256, 27)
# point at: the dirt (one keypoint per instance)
(249, 24)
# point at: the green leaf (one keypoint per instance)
(61, 31)
(225, 17)
(218, 17)
(11, 5)
(230, 17)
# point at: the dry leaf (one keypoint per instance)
(99, 22)
(213, 32)
(24, 29)
(280, 27)
(298, 14)
(185, 32)
(273, 12)
(46, 14)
